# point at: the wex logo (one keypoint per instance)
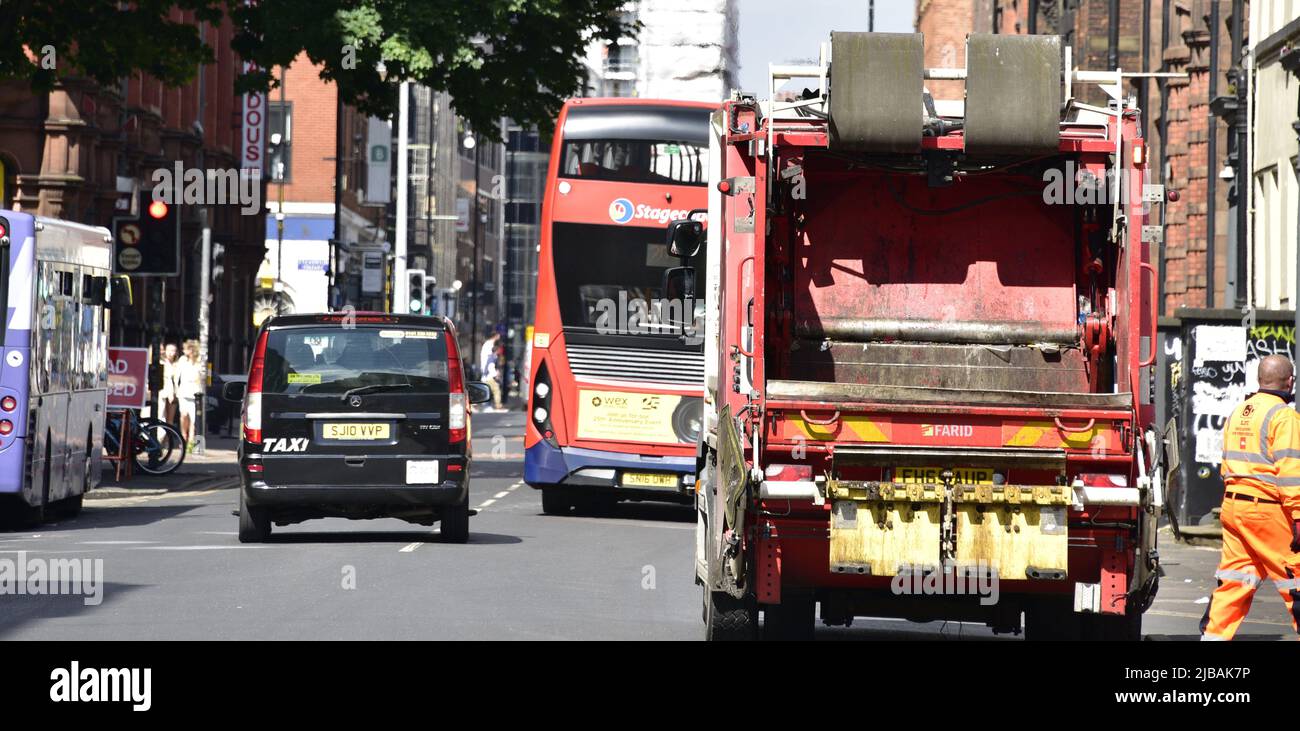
(621, 211)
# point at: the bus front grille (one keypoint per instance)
(608, 363)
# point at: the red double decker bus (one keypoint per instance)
(617, 372)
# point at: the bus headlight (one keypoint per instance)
(539, 415)
(8, 403)
(688, 420)
(6, 427)
(542, 390)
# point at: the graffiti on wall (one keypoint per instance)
(1223, 373)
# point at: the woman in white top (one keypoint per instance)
(189, 388)
(167, 405)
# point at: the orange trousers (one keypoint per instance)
(1256, 546)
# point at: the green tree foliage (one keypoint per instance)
(516, 58)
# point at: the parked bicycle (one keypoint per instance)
(156, 446)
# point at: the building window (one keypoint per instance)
(279, 130)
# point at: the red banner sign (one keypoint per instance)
(128, 378)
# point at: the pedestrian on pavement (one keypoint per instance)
(1261, 503)
(168, 404)
(189, 389)
(487, 367)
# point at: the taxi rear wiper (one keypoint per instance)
(372, 388)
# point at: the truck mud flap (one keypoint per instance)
(883, 529)
(1017, 537)
(880, 536)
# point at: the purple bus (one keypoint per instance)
(54, 277)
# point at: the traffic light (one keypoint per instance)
(150, 244)
(430, 296)
(415, 290)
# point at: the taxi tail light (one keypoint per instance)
(457, 403)
(252, 414)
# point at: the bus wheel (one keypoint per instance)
(70, 507)
(596, 504)
(728, 619)
(555, 501)
(254, 523)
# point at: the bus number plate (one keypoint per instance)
(649, 479)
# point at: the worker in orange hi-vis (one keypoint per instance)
(1261, 503)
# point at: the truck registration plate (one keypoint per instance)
(934, 475)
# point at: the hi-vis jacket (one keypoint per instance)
(1261, 452)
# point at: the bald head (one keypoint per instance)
(1275, 373)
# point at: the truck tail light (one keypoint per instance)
(457, 403)
(788, 472)
(252, 415)
(1102, 480)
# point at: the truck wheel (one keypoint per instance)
(1056, 621)
(728, 619)
(254, 523)
(793, 620)
(454, 525)
(1112, 627)
(555, 501)
(1052, 621)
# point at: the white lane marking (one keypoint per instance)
(411, 547)
(188, 548)
(46, 550)
(514, 487)
(500, 495)
(114, 543)
(219, 532)
(486, 503)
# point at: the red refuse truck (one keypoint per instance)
(926, 334)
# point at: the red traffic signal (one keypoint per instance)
(157, 209)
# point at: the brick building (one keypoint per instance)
(72, 153)
(1191, 145)
(303, 113)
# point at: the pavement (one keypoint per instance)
(216, 467)
(173, 568)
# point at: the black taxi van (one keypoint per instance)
(355, 415)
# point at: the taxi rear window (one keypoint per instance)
(333, 360)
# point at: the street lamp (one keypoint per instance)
(472, 144)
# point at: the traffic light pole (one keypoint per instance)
(473, 287)
(205, 277)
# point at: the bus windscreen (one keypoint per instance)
(602, 269)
